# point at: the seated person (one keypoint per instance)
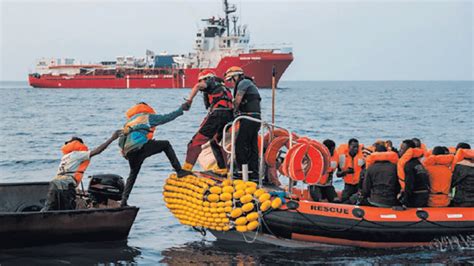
(437, 165)
(413, 177)
(324, 189)
(75, 160)
(351, 165)
(463, 178)
(380, 186)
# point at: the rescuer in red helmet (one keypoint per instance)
(218, 102)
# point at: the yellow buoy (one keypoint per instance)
(240, 187)
(251, 184)
(241, 228)
(237, 182)
(252, 225)
(265, 205)
(248, 207)
(237, 212)
(214, 205)
(228, 203)
(238, 194)
(252, 216)
(246, 199)
(276, 203)
(220, 203)
(227, 182)
(213, 197)
(215, 190)
(225, 196)
(228, 209)
(228, 189)
(264, 197)
(250, 190)
(241, 221)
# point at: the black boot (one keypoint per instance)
(182, 173)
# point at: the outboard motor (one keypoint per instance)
(105, 187)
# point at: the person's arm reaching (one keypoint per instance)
(160, 119)
(104, 145)
(193, 93)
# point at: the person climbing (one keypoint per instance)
(246, 102)
(137, 142)
(437, 165)
(74, 162)
(380, 186)
(413, 177)
(463, 177)
(324, 189)
(351, 164)
(218, 100)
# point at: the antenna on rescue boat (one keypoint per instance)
(228, 9)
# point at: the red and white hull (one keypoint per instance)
(256, 65)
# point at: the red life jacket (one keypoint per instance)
(220, 97)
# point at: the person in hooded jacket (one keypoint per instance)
(137, 142)
(74, 162)
(380, 186)
(413, 177)
(463, 177)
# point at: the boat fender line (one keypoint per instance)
(358, 212)
(329, 229)
(200, 230)
(422, 214)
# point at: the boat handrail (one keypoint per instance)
(263, 125)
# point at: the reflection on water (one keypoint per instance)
(236, 253)
(114, 252)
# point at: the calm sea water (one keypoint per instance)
(36, 122)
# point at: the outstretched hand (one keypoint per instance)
(117, 133)
(186, 106)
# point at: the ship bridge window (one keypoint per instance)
(198, 35)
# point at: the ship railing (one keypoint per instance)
(264, 127)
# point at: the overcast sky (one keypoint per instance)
(350, 40)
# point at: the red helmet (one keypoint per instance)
(233, 71)
(206, 73)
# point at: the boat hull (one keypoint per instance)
(20, 227)
(256, 65)
(319, 223)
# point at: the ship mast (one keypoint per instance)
(228, 9)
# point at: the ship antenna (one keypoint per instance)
(227, 10)
(234, 20)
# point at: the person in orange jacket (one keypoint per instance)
(351, 165)
(74, 162)
(437, 165)
(413, 177)
(324, 189)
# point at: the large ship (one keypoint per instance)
(217, 47)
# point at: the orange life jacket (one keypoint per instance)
(325, 180)
(440, 179)
(389, 156)
(462, 154)
(407, 156)
(346, 161)
(75, 146)
(139, 109)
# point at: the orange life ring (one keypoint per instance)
(274, 147)
(315, 164)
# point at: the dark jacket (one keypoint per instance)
(417, 182)
(463, 181)
(381, 184)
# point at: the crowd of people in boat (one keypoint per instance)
(413, 176)
(381, 178)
